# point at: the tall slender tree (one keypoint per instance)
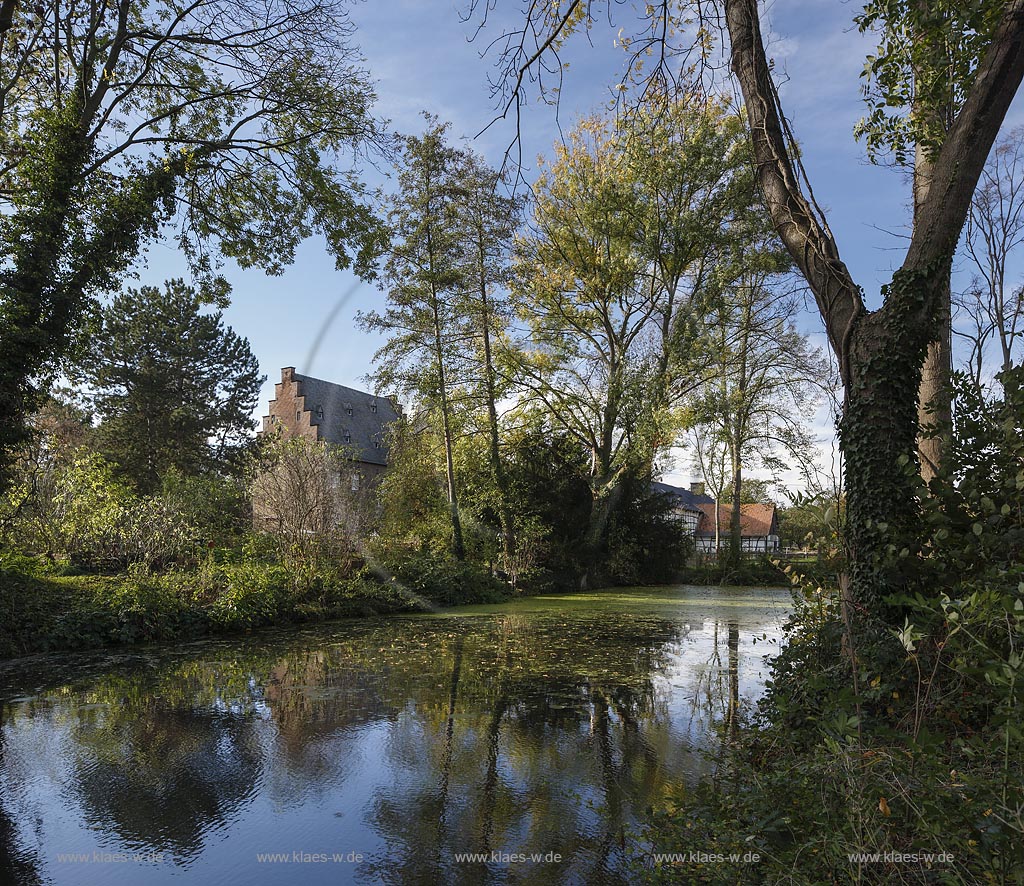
(760, 389)
(488, 220)
(580, 287)
(424, 274)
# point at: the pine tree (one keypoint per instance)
(172, 385)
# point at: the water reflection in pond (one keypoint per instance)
(377, 751)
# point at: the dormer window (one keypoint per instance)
(377, 441)
(320, 413)
(346, 436)
(348, 409)
(373, 406)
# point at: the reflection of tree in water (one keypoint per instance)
(535, 733)
(733, 709)
(316, 699)
(17, 865)
(165, 777)
(716, 695)
(537, 736)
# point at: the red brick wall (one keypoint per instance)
(288, 410)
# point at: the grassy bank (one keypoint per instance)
(44, 611)
(757, 571)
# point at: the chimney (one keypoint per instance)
(697, 488)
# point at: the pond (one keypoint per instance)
(535, 733)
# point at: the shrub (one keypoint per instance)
(448, 582)
(75, 509)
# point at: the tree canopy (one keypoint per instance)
(236, 125)
(172, 385)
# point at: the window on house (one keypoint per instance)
(346, 436)
(298, 415)
(348, 409)
(355, 482)
(376, 441)
(373, 406)
(320, 412)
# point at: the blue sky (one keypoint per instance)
(419, 54)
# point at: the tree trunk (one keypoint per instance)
(606, 493)
(498, 472)
(878, 435)
(934, 413)
(735, 529)
(934, 405)
(880, 354)
(458, 547)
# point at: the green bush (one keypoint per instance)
(41, 611)
(448, 582)
(75, 510)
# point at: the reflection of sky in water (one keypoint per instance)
(547, 724)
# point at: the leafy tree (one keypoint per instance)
(579, 287)
(173, 386)
(219, 506)
(647, 543)
(424, 276)
(415, 516)
(689, 168)
(487, 221)
(880, 352)
(757, 492)
(235, 121)
(921, 72)
(760, 391)
(548, 473)
(630, 222)
(78, 510)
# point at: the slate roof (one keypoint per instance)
(756, 521)
(686, 500)
(362, 431)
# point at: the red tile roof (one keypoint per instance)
(755, 520)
